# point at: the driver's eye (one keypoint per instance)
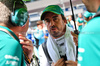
(47, 20)
(54, 19)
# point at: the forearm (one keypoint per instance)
(30, 56)
(79, 24)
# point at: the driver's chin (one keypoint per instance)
(54, 33)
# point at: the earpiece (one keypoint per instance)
(19, 16)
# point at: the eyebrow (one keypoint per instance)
(46, 19)
(54, 16)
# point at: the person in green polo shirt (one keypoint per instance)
(80, 21)
(15, 49)
(89, 38)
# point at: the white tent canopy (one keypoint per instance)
(38, 6)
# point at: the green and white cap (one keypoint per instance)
(52, 8)
(87, 14)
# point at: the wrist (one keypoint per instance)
(30, 56)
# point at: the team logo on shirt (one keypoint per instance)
(13, 60)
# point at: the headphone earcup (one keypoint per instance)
(19, 17)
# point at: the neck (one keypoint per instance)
(15, 30)
(98, 9)
(2, 24)
(16, 33)
(97, 5)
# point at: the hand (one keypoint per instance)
(75, 38)
(60, 62)
(26, 45)
(71, 63)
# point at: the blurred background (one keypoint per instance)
(35, 8)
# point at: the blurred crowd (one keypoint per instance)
(81, 20)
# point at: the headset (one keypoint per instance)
(19, 16)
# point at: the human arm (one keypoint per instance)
(79, 23)
(75, 38)
(27, 46)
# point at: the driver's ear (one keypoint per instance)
(65, 21)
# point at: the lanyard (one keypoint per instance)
(2, 29)
(27, 59)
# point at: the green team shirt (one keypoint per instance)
(80, 20)
(11, 53)
(89, 44)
